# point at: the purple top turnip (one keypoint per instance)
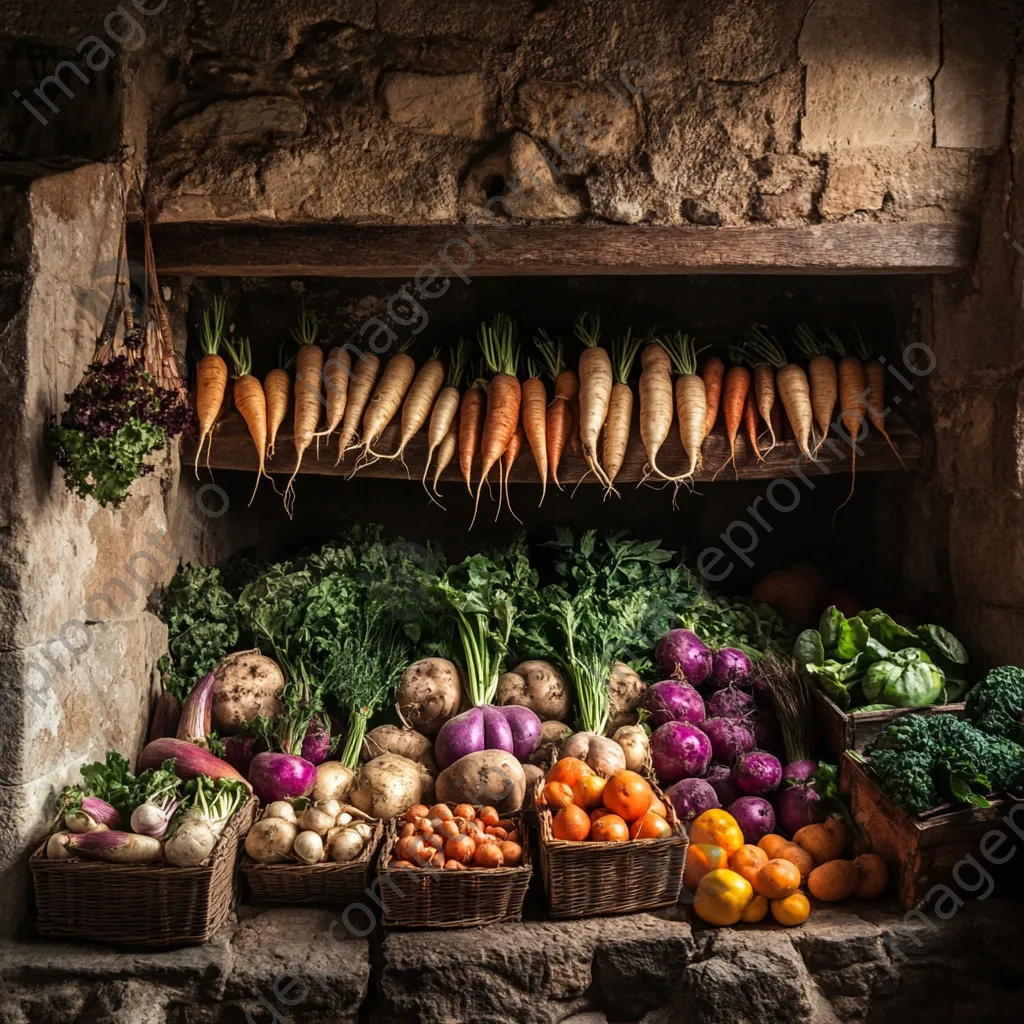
(672, 701)
(755, 817)
(525, 728)
(729, 667)
(730, 703)
(483, 728)
(679, 751)
(797, 806)
(719, 778)
(281, 776)
(682, 654)
(690, 797)
(729, 738)
(798, 771)
(757, 772)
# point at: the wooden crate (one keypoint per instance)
(922, 851)
(837, 731)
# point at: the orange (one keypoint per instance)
(569, 770)
(747, 861)
(792, 910)
(650, 826)
(658, 808)
(628, 795)
(778, 879)
(721, 897)
(598, 812)
(756, 910)
(717, 828)
(571, 823)
(558, 795)
(587, 791)
(771, 844)
(700, 860)
(609, 829)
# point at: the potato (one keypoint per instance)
(537, 685)
(797, 855)
(429, 693)
(246, 684)
(392, 739)
(833, 881)
(824, 842)
(552, 736)
(635, 745)
(604, 755)
(388, 785)
(625, 692)
(872, 876)
(532, 773)
(485, 778)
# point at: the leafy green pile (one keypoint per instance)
(112, 780)
(996, 704)
(870, 662)
(922, 761)
(202, 626)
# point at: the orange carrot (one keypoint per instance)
(559, 416)
(620, 409)
(691, 399)
(508, 458)
(250, 401)
(387, 398)
(337, 374)
(714, 373)
(874, 382)
(211, 377)
(504, 396)
(656, 403)
(534, 415)
(750, 422)
(309, 364)
(734, 398)
(420, 400)
(445, 454)
(822, 378)
(596, 379)
(794, 390)
(447, 405)
(852, 392)
(277, 386)
(471, 417)
(361, 387)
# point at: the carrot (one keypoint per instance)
(508, 458)
(750, 422)
(691, 400)
(420, 400)
(874, 379)
(387, 398)
(852, 391)
(250, 401)
(822, 377)
(309, 363)
(714, 373)
(211, 377)
(277, 386)
(446, 406)
(734, 397)
(534, 415)
(620, 409)
(359, 391)
(471, 417)
(559, 415)
(791, 382)
(596, 379)
(504, 396)
(337, 374)
(574, 420)
(445, 454)
(655, 404)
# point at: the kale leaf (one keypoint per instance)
(996, 704)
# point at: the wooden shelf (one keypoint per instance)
(336, 250)
(233, 449)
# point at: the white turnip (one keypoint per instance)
(604, 755)
(333, 781)
(57, 847)
(389, 785)
(308, 848)
(484, 778)
(313, 819)
(281, 809)
(246, 684)
(635, 745)
(537, 685)
(192, 842)
(345, 846)
(392, 739)
(270, 840)
(429, 693)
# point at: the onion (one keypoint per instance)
(313, 819)
(682, 654)
(679, 751)
(346, 845)
(729, 667)
(281, 809)
(729, 738)
(672, 701)
(270, 840)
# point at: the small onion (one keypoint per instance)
(365, 830)
(343, 818)
(346, 845)
(270, 840)
(313, 819)
(308, 847)
(329, 806)
(281, 809)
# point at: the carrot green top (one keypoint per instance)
(624, 350)
(213, 327)
(499, 345)
(588, 329)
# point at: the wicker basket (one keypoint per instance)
(584, 879)
(314, 883)
(435, 898)
(136, 905)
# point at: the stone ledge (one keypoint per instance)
(658, 968)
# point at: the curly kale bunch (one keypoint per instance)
(996, 704)
(115, 417)
(922, 761)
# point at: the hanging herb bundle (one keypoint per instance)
(130, 401)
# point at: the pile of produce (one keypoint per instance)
(996, 704)
(589, 806)
(173, 811)
(871, 663)
(309, 832)
(456, 837)
(922, 762)
(734, 880)
(498, 415)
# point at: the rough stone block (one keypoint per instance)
(851, 185)
(583, 122)
(762, 117)
(438, 105)
(252, 119)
